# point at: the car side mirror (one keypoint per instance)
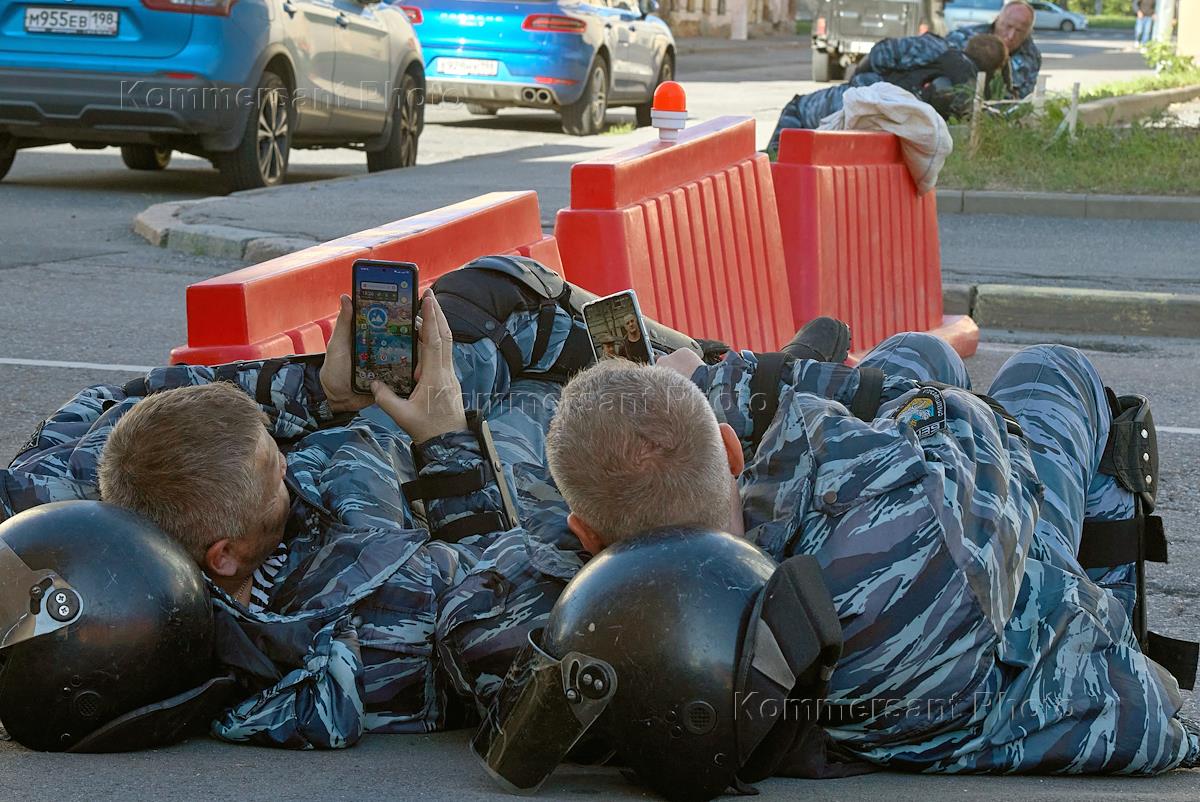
(648, 7)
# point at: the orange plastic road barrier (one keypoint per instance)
(692, 226)
(861, 245)
(288, 305)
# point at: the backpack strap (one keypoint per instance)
(764, 394)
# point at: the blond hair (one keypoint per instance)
(634, 448)
(185, 460)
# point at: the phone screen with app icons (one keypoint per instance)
(385, 338)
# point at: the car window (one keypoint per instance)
(625, 5)
(1043, 6)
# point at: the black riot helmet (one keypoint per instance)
(106, 633)
(681, 649)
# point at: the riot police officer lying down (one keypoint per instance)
(329, 581)
(981, 555)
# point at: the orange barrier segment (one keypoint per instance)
(692, 227)
(288, 305)
(860, 243)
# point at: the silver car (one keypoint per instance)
(1056, 18)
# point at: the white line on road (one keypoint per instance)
(1177, 429)
(50, 363)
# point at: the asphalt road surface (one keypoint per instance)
(439, 767)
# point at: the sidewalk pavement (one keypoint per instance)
(1132, 275)
(390, 767)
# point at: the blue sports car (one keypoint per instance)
(574, 56)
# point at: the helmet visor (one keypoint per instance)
(542, 709)
(32, 603)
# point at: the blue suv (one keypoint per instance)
(239, 82)
(578, 57)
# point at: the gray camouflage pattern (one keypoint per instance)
(974, 641)
(1024, 64)
(371, 624)
(901, 54)
(972, 635)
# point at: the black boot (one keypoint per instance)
(824, 339)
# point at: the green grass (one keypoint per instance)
(1138, 160)
(1146, 83)
(1111, 21)
(620, 128)
(804, 27)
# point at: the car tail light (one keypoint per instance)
(546, 79)
(414, 14)
(554, 23)
(819, 27)
(214, 8)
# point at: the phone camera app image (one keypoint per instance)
(615, 328)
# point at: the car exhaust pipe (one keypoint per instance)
(529, 95)
(543, 96)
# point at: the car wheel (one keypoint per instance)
(7, 154)
(482, 111)
(586, 115)
(1067, 26)
(820, 65)
(145, 157)
(401, 148)
(665, 73)
(261, 158)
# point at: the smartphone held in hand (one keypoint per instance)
(385, 333)
(617, 328)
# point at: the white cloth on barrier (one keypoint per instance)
(886, 107)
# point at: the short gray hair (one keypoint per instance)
(634, 448)
(185, 460)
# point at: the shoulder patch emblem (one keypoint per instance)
(925, 412)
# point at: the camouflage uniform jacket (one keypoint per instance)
(348, 640)
(924, 536)
(1024, 64)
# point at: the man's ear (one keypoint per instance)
(219, 559)
(588, 536)
(733, 450)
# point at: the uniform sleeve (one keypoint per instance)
(905, 53)
(485, 620)
(1026, 63)
(451, 456)
(318, 705)
(728, 387)
(957, 39)
(288, 390)
(57, 462)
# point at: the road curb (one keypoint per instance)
(1074, 310)
(1066, 204)
(160, 226)
(1127, 108)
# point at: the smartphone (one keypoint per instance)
(385, 331)
(617, 328)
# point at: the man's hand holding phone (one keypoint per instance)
(435, 406)
(336, 370)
